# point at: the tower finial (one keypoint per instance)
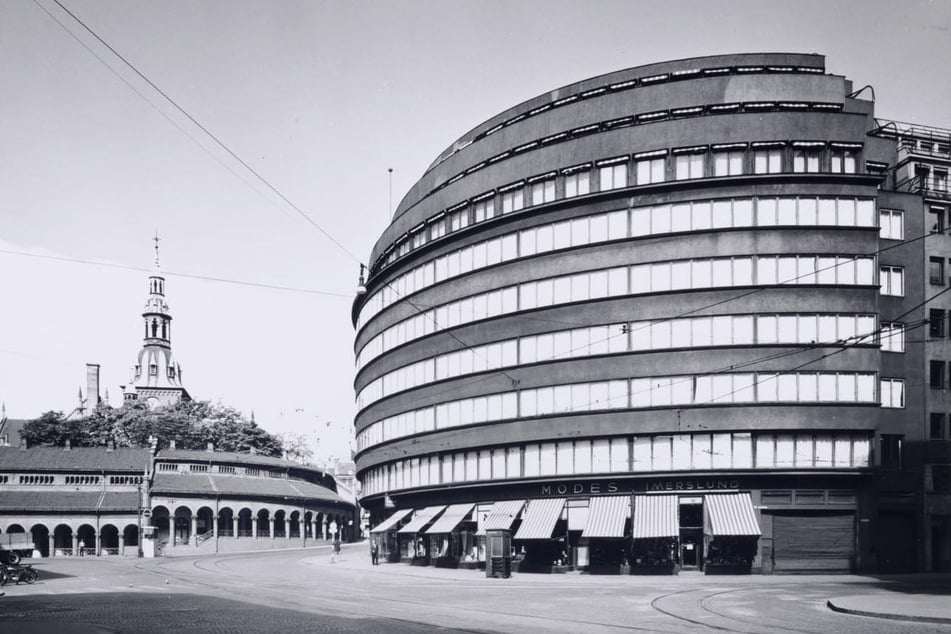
(156, 239)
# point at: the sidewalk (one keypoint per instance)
(896, 606)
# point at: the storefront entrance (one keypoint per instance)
(691, 533)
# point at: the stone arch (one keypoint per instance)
(87, 540)
(264, 526)
(225, 522)
(205, 520)
(293, 528)
(15, 528)
(109, 540)
(41, 539)
(161, 520)
(130, 536)
(309, 524)
(245, 525)
(280, 523)
(183, 525)
(63, 539)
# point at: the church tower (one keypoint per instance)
(156, 377)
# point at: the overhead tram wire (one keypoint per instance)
(194, 276)
(208, 132)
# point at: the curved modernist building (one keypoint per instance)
(654, 319)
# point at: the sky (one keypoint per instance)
(321, 99)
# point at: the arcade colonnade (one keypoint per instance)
(78, 536)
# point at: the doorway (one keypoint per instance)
(691, 533)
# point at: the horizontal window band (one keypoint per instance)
(499, 157)
(489, 194)
(808, 143)
(584, 130)
(593, 93)
(461, 205)
(724, 106)
(846, 146)
(511, 186)
(768, 144)
(624, 84)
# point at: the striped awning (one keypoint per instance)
(448, 521)
(607, 516)
(655, 516)
(391, 521)
(420, 519)
(540, 518)
(730, 514)
(502, 515)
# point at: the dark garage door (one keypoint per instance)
(807, 542)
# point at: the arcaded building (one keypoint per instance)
(674, 316)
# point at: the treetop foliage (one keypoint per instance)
(191, 424)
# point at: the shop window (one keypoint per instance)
(936, 323)
(891, 445)
(936, 271)
(936, 374)
(936, 427)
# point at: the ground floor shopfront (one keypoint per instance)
(738, 524)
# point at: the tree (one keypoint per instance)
(296, 447)
(191, 424)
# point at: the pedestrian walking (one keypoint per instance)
(82, 545)
(374, 552)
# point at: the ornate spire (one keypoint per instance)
(156, 239)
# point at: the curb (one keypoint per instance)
(912, 618)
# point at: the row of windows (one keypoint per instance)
(649, 81)
(125, 479)
(37, 479)
(205, 468)
(692, 332)
(639, 221)
(645, 168)
(762, 387)
(657, 277)
(83, 479)
(638, 454)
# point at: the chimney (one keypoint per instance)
(23, 444)
(210, 448)
(92, 386)
(171, 444)
(110, 446)
(252, 451)
(68, 445)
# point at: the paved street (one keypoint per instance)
(303, 591)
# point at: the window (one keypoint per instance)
(936, 271)
(891, 450)
(936, 323)
(688, 166)
(650, 171)
(892, 392)
(512, 200)
(543, 191)
(767, 160)
(459, 219)
(728, 163)
(892, 337)
(806, 159)
(153, 369)
(843, 161)
(891, 224)
(577, 184)
(936, 374)
(483, 209)
(936, 220)
(613, 176)
(892, 280)
(936, 431)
